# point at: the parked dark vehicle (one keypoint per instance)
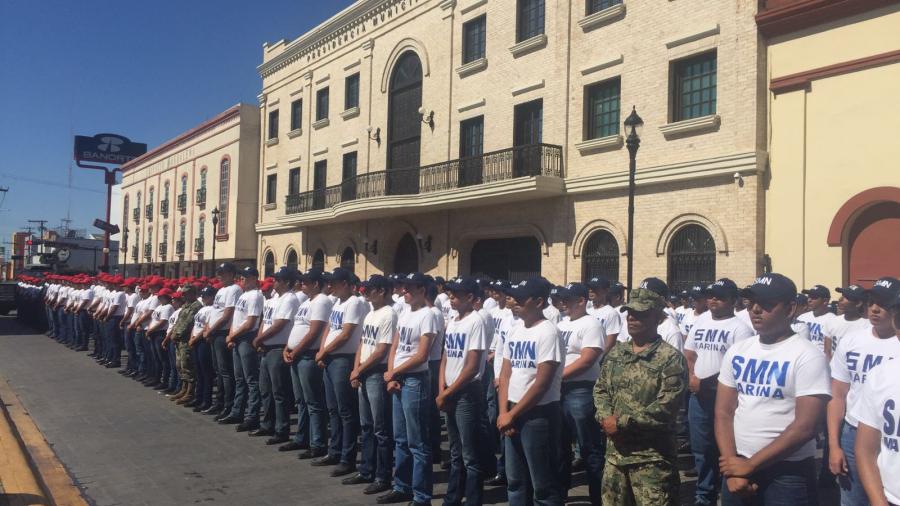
(7, 298)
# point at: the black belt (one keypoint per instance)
(270, 347)
(401, 377)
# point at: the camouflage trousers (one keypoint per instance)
(184, 361)
(650, 484)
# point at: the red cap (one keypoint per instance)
(165, 292)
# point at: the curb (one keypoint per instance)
(49, 481)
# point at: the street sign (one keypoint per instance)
(107, 148)
(106, 227)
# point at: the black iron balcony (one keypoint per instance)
(201, 197)
(511, 163)
(182, 203)
(179, 247)
(163, 249)
(148, 250)
(148, 212)
(136, 215)
(164, 208)
(198, 245)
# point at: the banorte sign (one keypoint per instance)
(107, 148)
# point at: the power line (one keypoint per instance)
(49, 183)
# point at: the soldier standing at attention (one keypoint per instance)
(638, 395)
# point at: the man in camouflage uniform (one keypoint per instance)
(181, 334)
(638, 394)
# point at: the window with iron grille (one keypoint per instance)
(471, 147)
(269, 265)
(530, 19)
(291, 260)
(600, 257)
(271, 188)
(474, 39)
(182, 231)
(224, 185)
(601, 113)
(694, 87)
(296, 114)
(692, 258)
(351, 91)
(598, 5)
(322, 104)
(294, 181)
(273, 124)
(348, 177)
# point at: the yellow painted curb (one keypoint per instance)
(28, 463)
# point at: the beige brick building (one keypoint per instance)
(484, 136)
(171, 194)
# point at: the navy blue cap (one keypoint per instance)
(208, 292)
(818, 292)
(721, 289)
(250, 271)
(439, 280)
(656, 285)
(378, 282)
(802, 299)
(226, 267)
(464, 284)
(315, 274)
(598, 283)
(884, 291)
(617, 288)
(338, 274)
(696, 292)
(574, 290)
(286, 274)
(416, 278)
(896, 302)
(530, 288)
(771, 287)
(852, 292)
(501, 285)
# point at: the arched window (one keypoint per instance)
(600, 256)
(137, 207)
(291, 259)
(348, 259)
(150, 196)
(201, 228)
(165, 233)
(182, 236)
(184, 185)
(404, 127)
(203, 178)
(125, 205)
(224, 183)
(150, 236)
(319, 259)
(269, 264)
(692, 258)
(166, 191)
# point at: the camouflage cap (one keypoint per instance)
(642, 299)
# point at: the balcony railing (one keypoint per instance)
(148, 250)
(201, 197)
(136, 215)
(521, 161)
(179, 247)
(148, 212)
(182, 203)
(198, 245)
(164, 208)
(134, 252)
(163, 249)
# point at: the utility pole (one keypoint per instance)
(28, 230)
(41, 227)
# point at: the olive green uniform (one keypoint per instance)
(181, 334)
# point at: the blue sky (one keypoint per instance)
(144, 69)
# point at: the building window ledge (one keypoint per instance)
(269, 207)
(350, 113)
(297, 132)
(472, 67)
(322, 123)
(599, 18)
(528, 45)
(603, 143)
(222, 237)
(691, 126)
(271, 142)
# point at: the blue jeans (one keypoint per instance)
(224, 371)
(139, 350)
(171, 355)
(205, 372)
(343, 407)
(783, 484)
(275, 408)
(495, 441)
(84, 322)
(246, 379)
(579, 426)
(114, 334)
(434, 369)
(469, 449)
(412, 446)
(128, 336)
(311, 382)
(532, 458)
(161, 357)
(301, 437)
(852, 492)
(701, 423)
(377, 440)
(62, 332)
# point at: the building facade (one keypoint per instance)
(833, 199)
(172, 195)
(485, 137)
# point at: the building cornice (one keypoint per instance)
(780, 17)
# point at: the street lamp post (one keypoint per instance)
(215, 224)
(633, 126)
(125, 249)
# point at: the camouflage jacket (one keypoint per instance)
(646, 390)
(185, 321)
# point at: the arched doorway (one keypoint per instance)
(406, 259)
(692, 258)
(872, 243)
(348, 259)
(291, 259)
(404, 126)
(319, 259)
(600, 257)
(514, 259)
(269, 264)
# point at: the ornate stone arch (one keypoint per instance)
(593, 226)
(854, 206)
(718, 234)
(469, 237)
(407, 44)
(347, 242)
(287, 251)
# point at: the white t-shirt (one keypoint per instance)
(744, 316)
(585, 332)
(879, 408)
(525, 349)
(819, 327)
(551, 314)
(250, 303)
(353, 310)
(400, 306)
(200, 320)
(301, 297)
(226, 297)
(688, 321)
(840, 327)
(489, 304)
(174, 317)
(710, 339)
(118, 300)
(857, 354)
(131, 302)
(461, 337)
(411, 326)
(150, 304)
(442, 302)
(768, 379)
(680, 311)
(668, 330)
(488, 328)
(378, 328)
(609, 318)
(282, 307)
(161, 314)
(139, 309)
(318, 310)
(501, 332)
(437, 344)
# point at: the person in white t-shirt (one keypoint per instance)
(852, 313)
(461, 394)
(202, 352)
(310, 321)
(339, 343)
(408, 381)
(878, 437)
(216, 331)
(698, 307)
(857, 354)
(172, 378)
(584, 340)
(370, 364)
(244, 324)
(156, 330)
(434, 368)
(503, 319)
(530, 414)
(609, 317)
(131, 344)
(772, 393)
(819, 319)
(277, 321)
(712, 334)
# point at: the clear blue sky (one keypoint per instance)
(148, 70)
